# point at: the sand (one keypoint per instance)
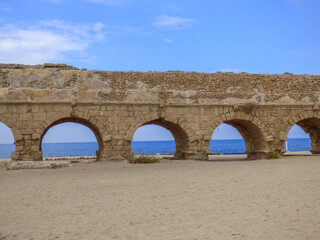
(263, 199)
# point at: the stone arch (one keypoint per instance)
(174, 125)
(255, 133)
(61, 118)
(309, 121)
(61, 115)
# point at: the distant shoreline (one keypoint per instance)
(152, 141)
(168, 156)
(81, 149)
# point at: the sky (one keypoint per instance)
(265, 36)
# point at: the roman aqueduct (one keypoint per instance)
(190, 105)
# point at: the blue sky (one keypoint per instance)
(266, 36)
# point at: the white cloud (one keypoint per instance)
(85, 31)
(48, 41)
(173, 22)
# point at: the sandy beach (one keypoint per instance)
(221, 199)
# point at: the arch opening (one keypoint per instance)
(253, 143)
(227, 140)
(71, 137)
(304, 137)
(7, 144)
(160, 137)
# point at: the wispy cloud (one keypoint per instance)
(4, 7)
(171, 7)
(168, 40)
(120, 31)
(110, 3)
(50, 1)
(48, 41)
(303, 53)
(54, 1)
(173, 22)
(85, 31)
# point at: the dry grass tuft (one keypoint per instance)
(273, 155)
(144, 159)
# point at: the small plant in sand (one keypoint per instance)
(273, 155)
(143, 158)
(248, 107)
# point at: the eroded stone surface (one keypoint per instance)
(177, 87)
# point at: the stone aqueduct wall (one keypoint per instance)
(191, 105)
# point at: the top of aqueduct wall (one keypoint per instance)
(63, 83)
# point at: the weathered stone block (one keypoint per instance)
(22, 108)
(35, 109)
(107, 138)
(35, 148)
(3, 109)
(36, 136)
(162, 103)
(15, 156)
(39, 116)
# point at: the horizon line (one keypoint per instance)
(159, 140)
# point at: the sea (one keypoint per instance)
(149, 147)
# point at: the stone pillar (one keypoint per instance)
(115, 149)
(315, 141)
(27, 148)
(178, 154)
(255, 155)
(197, 155)
(198, 149)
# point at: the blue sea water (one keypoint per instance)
(69, 149)
(6, 150)
(154, 147)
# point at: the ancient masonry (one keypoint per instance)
(191, 105)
